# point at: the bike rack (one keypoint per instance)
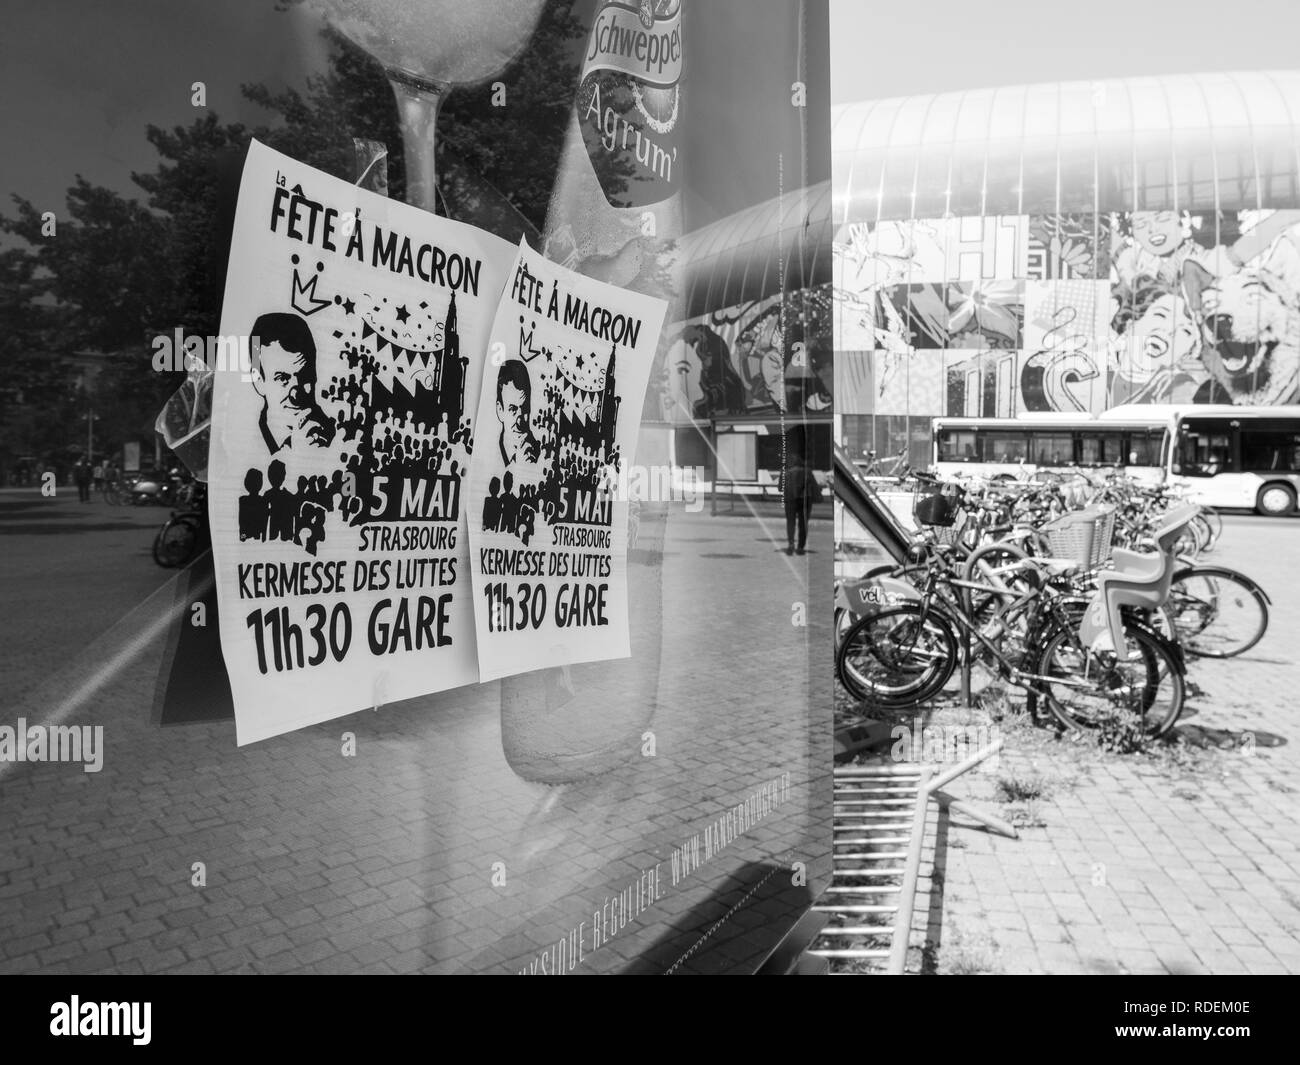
(872, 898)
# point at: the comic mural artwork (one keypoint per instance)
(996, 316)
(750, 359)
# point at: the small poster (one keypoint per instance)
(559, 409)
(353, 334)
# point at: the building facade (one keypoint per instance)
(1067, 247)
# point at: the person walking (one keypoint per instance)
(82, 476)
(796, 491)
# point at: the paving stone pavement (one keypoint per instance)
(1139, 868)
(383, 862)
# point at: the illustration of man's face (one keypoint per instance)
(284, 375)
(512, 409)
(286, 379)
(1159, 232)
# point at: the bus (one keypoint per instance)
(1135, 439)
(1238, 456)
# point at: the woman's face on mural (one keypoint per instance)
(1163, 337)
(1159, 232)
(684, 372)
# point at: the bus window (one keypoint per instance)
(1052, 449)
(1100, 449)
(1267, 450)
(1144, 448)
(1204, 453)
(1008, 447)
(959, 445)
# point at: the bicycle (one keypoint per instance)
(898, 465)
(185, 534)
(905, 653)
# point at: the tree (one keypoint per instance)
(121, 272)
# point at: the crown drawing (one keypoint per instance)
(304, 299)
(526, 350)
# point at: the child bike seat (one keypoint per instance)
(1139, 579)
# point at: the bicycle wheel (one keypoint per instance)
(898, 657)
(1000, 567)
(1190, 542)
(175, 543)
(1217, 613)
(843, 622)
(1204, 532)
(1092, 686)
(1214, 521)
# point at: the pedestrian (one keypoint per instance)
(98, 476)
(796, 491)
(81, 474)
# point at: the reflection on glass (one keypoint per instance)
(426, 48)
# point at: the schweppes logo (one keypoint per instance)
(642, 40)
(629, 100)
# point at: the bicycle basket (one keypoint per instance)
(1082, 536)
(935, 504)
(949, 534)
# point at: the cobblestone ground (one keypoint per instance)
(384, 862)
(1142, 865)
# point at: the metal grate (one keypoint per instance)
(879, 834)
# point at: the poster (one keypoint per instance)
(558, 414)
(341, 439)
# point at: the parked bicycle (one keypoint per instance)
(1084, 658)
(185, 534)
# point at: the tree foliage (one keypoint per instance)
(121, 271)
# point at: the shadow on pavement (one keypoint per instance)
(1204, 736)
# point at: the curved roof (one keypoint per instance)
(748, 255)
(1199, 141)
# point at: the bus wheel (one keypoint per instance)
(1275, 500)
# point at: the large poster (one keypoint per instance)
(559, 414)
(340, 445)
(1069, 312)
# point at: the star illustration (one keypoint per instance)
(579, 360)
(349, 307)
(403, 314)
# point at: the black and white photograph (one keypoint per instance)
(649, 487)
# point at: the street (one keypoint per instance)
(70, 571)
(422, 851)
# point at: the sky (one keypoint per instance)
(923, 46)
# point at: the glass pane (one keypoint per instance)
(1144, 449)
(1100, 450)
(1078, 158)
(959, 445)
(1005, 447)
(1052, 449)
(1268, 450)
(1204, 454)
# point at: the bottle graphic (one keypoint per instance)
(615, 215)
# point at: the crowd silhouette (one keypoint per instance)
(279, 513)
